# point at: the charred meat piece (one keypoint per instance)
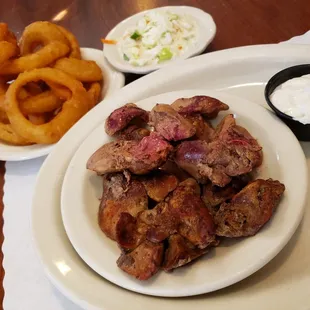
(119, 195)
(207, 106)
(180, 252)
(171, 167)
(144, 261)
(250, 209)
(120, 118)
(138, 157)
(204, 130)
(133, 132)
(195, 221)
(170, 124)
(213, 195)
(159, 185)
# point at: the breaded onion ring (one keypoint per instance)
(40, 34)
(41, 103)
(74, 44)
(60, 91)
(8, 44)
(7, 51)
(94, 92)
(82, 70)
(42, 58)
(72, 110)
(8, 135)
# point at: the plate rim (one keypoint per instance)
(220, 283)
(196, 12)
(117, 81)
(290, 52)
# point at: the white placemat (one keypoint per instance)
(25, 284)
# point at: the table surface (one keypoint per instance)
(239, 22)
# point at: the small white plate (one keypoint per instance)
(206, 26)
(113, 80)
(233, 260)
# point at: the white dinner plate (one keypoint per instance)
(113, 80)
(82, 190)
(206, 28)
(282, 284)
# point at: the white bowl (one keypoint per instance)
(113, 80)
(207, 30)
(229, 263)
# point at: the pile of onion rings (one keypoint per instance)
(45, 86)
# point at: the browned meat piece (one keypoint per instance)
(184, 212)
(226, 122)
(133, 132)
(234, 152)
(180, 252)
(160, 221)
(120, 118)
(119, 195)
(171, 167)
(204, 130)
(250, 209)
(138, 157)
(170, 124)
(207, 106)
(195, 221)
(144, 261)
(159, 185)
(192, 156)
(239, 140)
(213, 195)
(130, 232)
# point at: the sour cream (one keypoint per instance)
(158, 37)
(293, 98)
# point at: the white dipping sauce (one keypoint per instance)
(293, 98)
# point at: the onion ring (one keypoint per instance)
(8, 135)
(94, 92)
(40, 33)
(7, 51)
(60, 91)
(3, 89)
(4, 118)
(4, 29)
(72, 110)
(8, 46)
(41, 103)
(74, 44)
(42, 58)
(11, 38)
(82, 70)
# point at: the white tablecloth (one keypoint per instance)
(25, 284)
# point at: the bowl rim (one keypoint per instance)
(269, 84)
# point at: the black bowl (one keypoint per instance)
(301, 131)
